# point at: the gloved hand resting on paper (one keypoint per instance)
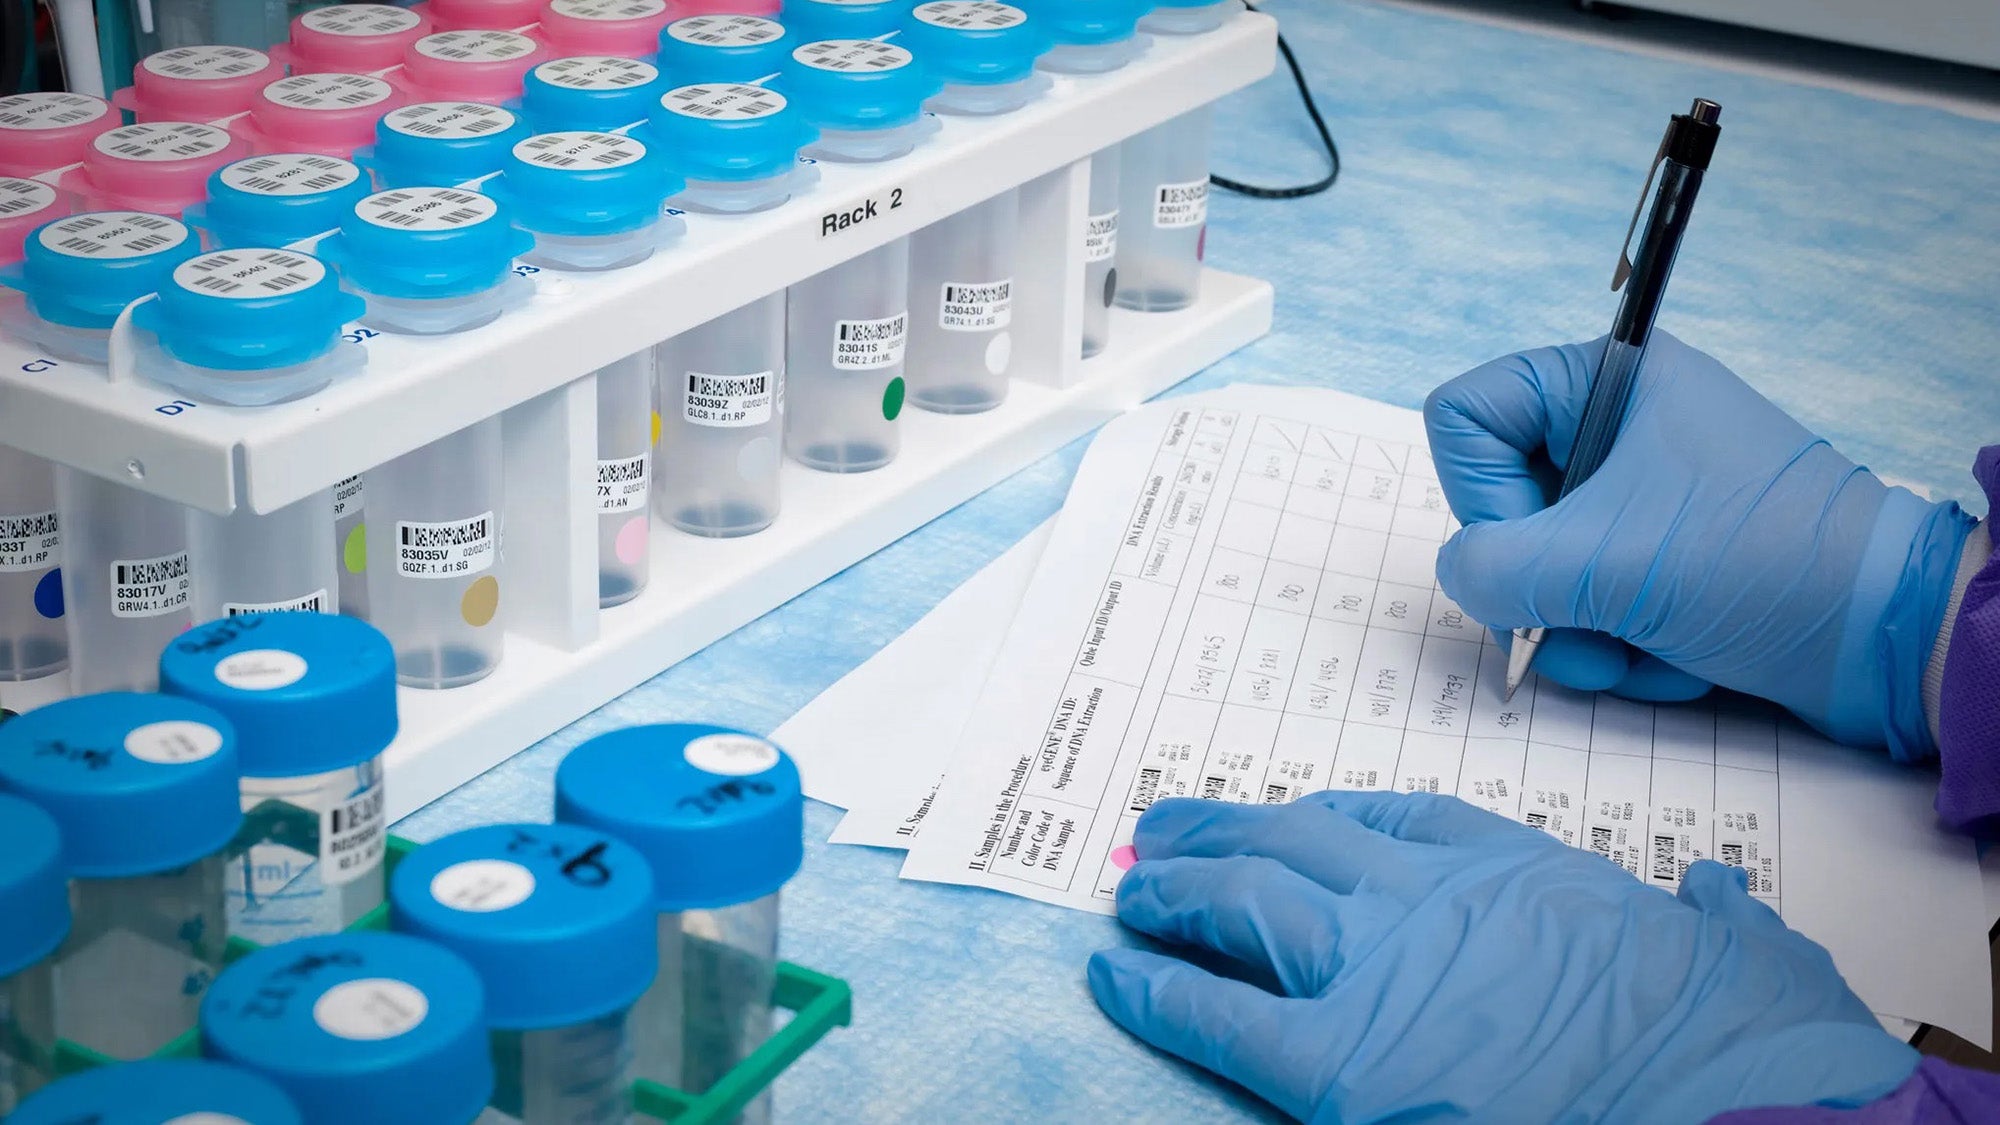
(1721, 539)
(1425, 960)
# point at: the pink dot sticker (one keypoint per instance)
(631, 541)
(1124, 856)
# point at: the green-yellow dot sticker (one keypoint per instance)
(354, 552)
(892, 398)
(656, 427)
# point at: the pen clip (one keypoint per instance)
(1624, 269)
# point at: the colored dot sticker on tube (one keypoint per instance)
(580, 152)
(449, 121)
(206, 63)
(731, 755)
(50, 110)
(892, 398)
(482, 886)
(173, 742)
(162, 141)
(724, 102)
(725, 31)
(481, 601)
(596, 72)
(371, 1010)
(244, 275)
(971, 15)
(289, 173)
(105, 235)
(475, 46)
(851, 56)
(261, 669)
(328, 91)
(422, 209)
(361, 20)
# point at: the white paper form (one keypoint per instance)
(1239, 602)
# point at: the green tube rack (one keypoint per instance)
(818, 1003)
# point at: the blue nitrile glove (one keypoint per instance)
(1720, 537)
(1432, 961)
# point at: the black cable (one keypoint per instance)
(18, 18)
(1299, 191)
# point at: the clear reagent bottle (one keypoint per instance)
(127, 579)
(329, 113)
(161, 166)
(264, 562)
(353, 38)
(598, 92)
(1091, 36)
(865, 97)
(1163, 193)
(623, 491)
(722, 422)
(77, 275)
(430, 260)
(847, 329)
(723, 48)
(961, 307)
(471, 66)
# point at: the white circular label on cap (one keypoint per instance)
(723, 102)
(734, 755)
(482, 886)
(725, 31)
(327, 91)
(261, 669)
(243, 275)
(607, 9)
(360, 19)
(370, 1010)
(579, 152)
(50, 110)
(596, 72)
(426, 208)
(104, 235)
(206, 63)
(971, 15)
(162, 141)
(475, 46)
(19, 197)
(289, 173)
(449, 121)
(864, 56)
(174, 742)
(205, 1118)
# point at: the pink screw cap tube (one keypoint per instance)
(25, 205)
(159, 166)
(628, 28)
(355, 38)
(196, 83)
(476, 15)
(41, 131)
(329, 114)
(472, 66)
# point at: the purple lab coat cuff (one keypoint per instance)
(1936, 1093)
(1969, 701)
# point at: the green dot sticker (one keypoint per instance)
(892, 398)
(354, 552)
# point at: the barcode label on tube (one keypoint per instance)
(864, 345)
(315, 602)
(730, 400)
(1180, 205)
(621, 484)
(451, 549)
(976, 306)
(30, 542)
(150, 587)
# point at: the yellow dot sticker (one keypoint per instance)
(481, 601)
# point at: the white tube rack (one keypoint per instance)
(565, 656)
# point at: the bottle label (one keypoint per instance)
(971, 15)
(160, 141)
(482, 886)
(361, 20)
(350, 836)
(452, 549)
(724, 102)
(245, 275)
(1100, 237)
(29, 542)
(976, 306)
(260, 669)
(865, 56)
(621, 484)
(371, 1010)
(327, 91)
(597, 72)
(206, 63)
(290, 173)
(608, 9)
(580, 152)
(725, 31)
(449, 121)
(475, 46)
(730, 400)
(864, 345)
(41, 110)
(350, 497)
(150, 587)
(104, 235)
(315, 602)
(1181, 205)
(426, 208)
(173, 742)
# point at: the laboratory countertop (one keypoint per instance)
(1843, 259)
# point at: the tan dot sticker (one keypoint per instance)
(481, 601)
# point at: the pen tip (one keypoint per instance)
(1512, 687)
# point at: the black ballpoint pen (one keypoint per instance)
(1679, 164)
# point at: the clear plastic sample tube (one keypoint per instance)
(1100, 250)
(386, 1029)
(558, 920)
(350, 544)
(624, 477)
(844, 360)
(143, 788)
(718, 867)
(434, 554)
(1163, 196)
(249, 563)
(722, 422)
(128, 581)
(179, 1091)
(34, 899)
(961, 304)
(313, 700)
(32, 644)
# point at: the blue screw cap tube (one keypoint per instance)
(592, 200)
(811, 20)
(79, 273)
(382, 1028)
(984, 51)
(276, 199)
(599, 92)
(429, 260)
(737, 146)
(723, 49)
(865, 97)
(1091, 36)
(1188, 17)
(248, 327)
(192, 1091)
(442, 144)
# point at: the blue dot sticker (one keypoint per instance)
(49, 595)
